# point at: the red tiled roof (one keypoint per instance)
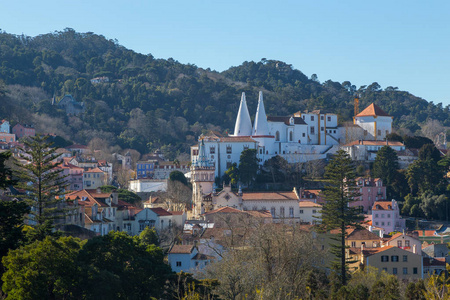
(382, 205)
(95, 170)
(434, 262)
(362, 234)
(181, 249)
(372, 110)
(160, 211)
(259, 213)
(269, 196)
(306, 203)
(225, 209)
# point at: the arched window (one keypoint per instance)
(291, 136)
(277, 136)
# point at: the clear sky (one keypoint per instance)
(405, 44)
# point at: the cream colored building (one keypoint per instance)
(309, 212)
(396, 261)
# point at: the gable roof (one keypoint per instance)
(95, 170)
(225, 209)
(181, 249)
(362, 234)
(160, 211)
(382, 205)
(372, 110)
(306, 203)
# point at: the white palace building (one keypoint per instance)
(301, 137)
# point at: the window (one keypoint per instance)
(407, 243)
(334, 131)
(291, 136)
(394, 258)
(291, 212)
(394, 271)
(178, 263)
(353, 244)
(405, 271)
(196, 263)
(414, 270)
(303, 134)
(399, 244)
(376, 215)
(301, 211)
(272, 211)
(384, 258)
(385, 269)
(282, 212)
(212, 150)
(228, 149)
(405, 258)
(229, 164)
(388, 215)
(321, 117)
(329, 119)
(379, 132)
(312, 130)
(312, 118)
(314, 211)
(321, 129)
(277, 136)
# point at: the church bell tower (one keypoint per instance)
(202, 177)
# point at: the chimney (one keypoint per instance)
(414, 249)
(115, 197)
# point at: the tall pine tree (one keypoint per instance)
(340, 191)
(42, 180)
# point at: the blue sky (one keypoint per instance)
(405, 44)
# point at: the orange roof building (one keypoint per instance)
(377, 124)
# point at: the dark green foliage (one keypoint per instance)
(276, 168)
(118, 266)
(124, 194)
(231, 175)
(42, 180)
(386, 167)
(416, 142)
(415, 291)
(166, 102)
(5, 173)
(336, 213)
(115, 266)
(248, 166)
(178, 176)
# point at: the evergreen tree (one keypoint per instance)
(5, 172)
(248, 165)
(385, 167)
(336, 212)
(42, 180)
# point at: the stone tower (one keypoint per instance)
(202, 178)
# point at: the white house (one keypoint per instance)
(376, 123)
(186, 258)
(5, 127)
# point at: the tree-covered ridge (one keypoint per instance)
(150, 103)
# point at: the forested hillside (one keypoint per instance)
(153, 103)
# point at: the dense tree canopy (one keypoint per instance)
(149, 103)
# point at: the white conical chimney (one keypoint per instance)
(261, 126)
(243, 125)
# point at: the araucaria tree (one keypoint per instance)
(337, 214)
(42, 180)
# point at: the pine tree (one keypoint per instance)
(6, 178)
(336, 212)
(42, 180)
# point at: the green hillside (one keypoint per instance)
(153, 103)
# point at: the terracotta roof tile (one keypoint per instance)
(181, 249)
(362, 234)
(374, 143)
(382, 205)
(160, 211)
(269, 196)
(372, 110)
(307, 203)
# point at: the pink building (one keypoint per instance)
(371, 190)
(7, 137)
(23, 130)
(74, 176)
(386, 214)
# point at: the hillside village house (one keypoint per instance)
(186, 258)
(406, 242)
(4, 126)
(94, 178)
(22, 130)
(386, 214)
(104, 212)
(366, 150)
(7, 137)
(370, 190)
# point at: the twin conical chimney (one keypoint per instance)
(261, 125)
(243, 125)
